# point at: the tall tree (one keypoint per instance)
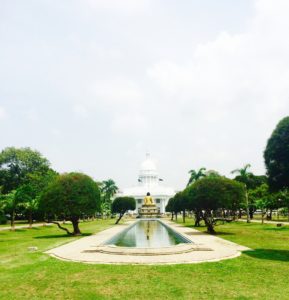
(29, 193)
(16, 164)
(210, 194)
(121, 205)
(277, 157)
(170, 207)
(195, 175)
(11, 203)
(108, 190)
(181, 204)
(243, 177)
(71, 195)
(261, 197)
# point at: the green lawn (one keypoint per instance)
(259, 274)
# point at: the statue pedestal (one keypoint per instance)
(149, 211)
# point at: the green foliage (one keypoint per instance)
(71, 195)
(178, 203)
(121, 205)
(196, 175)
(170, 205)
(3, 219)
(212, 193)
(248, 178)
(277, 156)
(108, 189)
(16, 165)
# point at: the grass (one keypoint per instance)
(259, 274)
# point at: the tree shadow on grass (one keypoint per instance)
(283, 228)
(224, 233)
(55, 236)
(205, 233)
(269, 254)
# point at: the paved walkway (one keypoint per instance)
(205, 248)
(265, 221)
(25, 226)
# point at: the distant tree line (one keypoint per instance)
(211, 197)
(30, 189)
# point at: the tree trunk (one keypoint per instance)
(251, 212)
(247, 205)
(262, 212)
(176, 216)
(210, 227)
(172, 216)
(13, 220)
(76, 230)
(270, 215)
(209, 221)
(197, 219)
(240, 214)
(60, 227)
(120, 216)
(30, 219)
(184, 216)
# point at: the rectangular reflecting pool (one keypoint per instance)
(147, 234)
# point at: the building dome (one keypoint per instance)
(148, 164)
(148, 172)
(148, 181)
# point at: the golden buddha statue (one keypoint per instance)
(148, 200)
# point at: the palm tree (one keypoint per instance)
(244, 177)
(108, 190)
(10, 204)
(195, 175)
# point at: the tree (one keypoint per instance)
(277, 158)
(212, 193)
(243, 177)
(181, 204)
(261, 196)
(10, 203)
(170, 207)
(71, 195)
(284, 199)
(195, 175)
(108, 190)
(212, 173)
(28, 194)
(17, 164)
(121, 205)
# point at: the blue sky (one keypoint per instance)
(94, 84)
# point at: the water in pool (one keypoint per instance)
(147, 234)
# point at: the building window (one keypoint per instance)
(139, 201)
(158, 201)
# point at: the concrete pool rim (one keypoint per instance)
(83, 250)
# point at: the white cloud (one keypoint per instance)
(32, 114)
(123, 6)
(120, 92)
(237, 81)
(80, 111)
(3, 113)
(128, 124)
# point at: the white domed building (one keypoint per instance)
(149, 181)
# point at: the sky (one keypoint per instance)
(95, 84)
